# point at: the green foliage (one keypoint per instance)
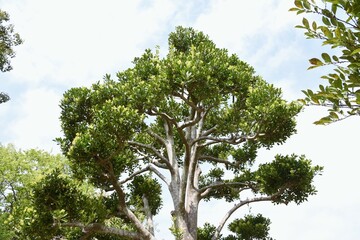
(206, 232)
(19, 172)
(139, 188)
(338, 28)
(8, 39)
(57, 198)
(250, 228)
(292, 174)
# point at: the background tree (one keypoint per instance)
(8, 39)
(338, 27)
(19, 171)
(192, 121)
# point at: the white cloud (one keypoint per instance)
(234, 23)
(37, 123)
(77, 42)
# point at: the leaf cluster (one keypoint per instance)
(250, 227)
(140, 188)
(339, 28)
(19, 172)
(8, 39)
(289, 176)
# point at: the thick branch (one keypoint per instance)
(123, 207)
(149, 217)
(100, 228)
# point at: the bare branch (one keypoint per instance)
(230, 140)
(193, 121)
(205, 191)
(100, 228)
(209, 131)
(159, 174)
(217, 160)
(157, 137)
(147, 168)
(237, 206)
(155, 151)
(165, 116)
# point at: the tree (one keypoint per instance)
(192, 121)
(19, 171)
(8, 39)
(339, 28)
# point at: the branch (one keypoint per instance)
(147, 168)
(237, 206)
(217, 160)
(155, 112)
(209, 131)
(157, 137)
(182, 97)
(149, 217)
(123, 206)
(155, 151)
(100, 228)
(230, 140)
(205, 191)
(194, 121)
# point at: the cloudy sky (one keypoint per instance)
(74, 43)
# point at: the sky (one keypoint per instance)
(75, 43)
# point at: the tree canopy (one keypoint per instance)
(19, 172)
(339, 28)
(8, 39)
(191, 121)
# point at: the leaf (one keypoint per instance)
(333, 115)
(326, 57)
(312, 67)
(298, 4)
(355, 51)
(326, 32)
(334, 8)
(326, 21)
(306, 23)
(293, 9)
(307, 5)
(314, 25)
(323, 121)
(316, 62)
(338, 32)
